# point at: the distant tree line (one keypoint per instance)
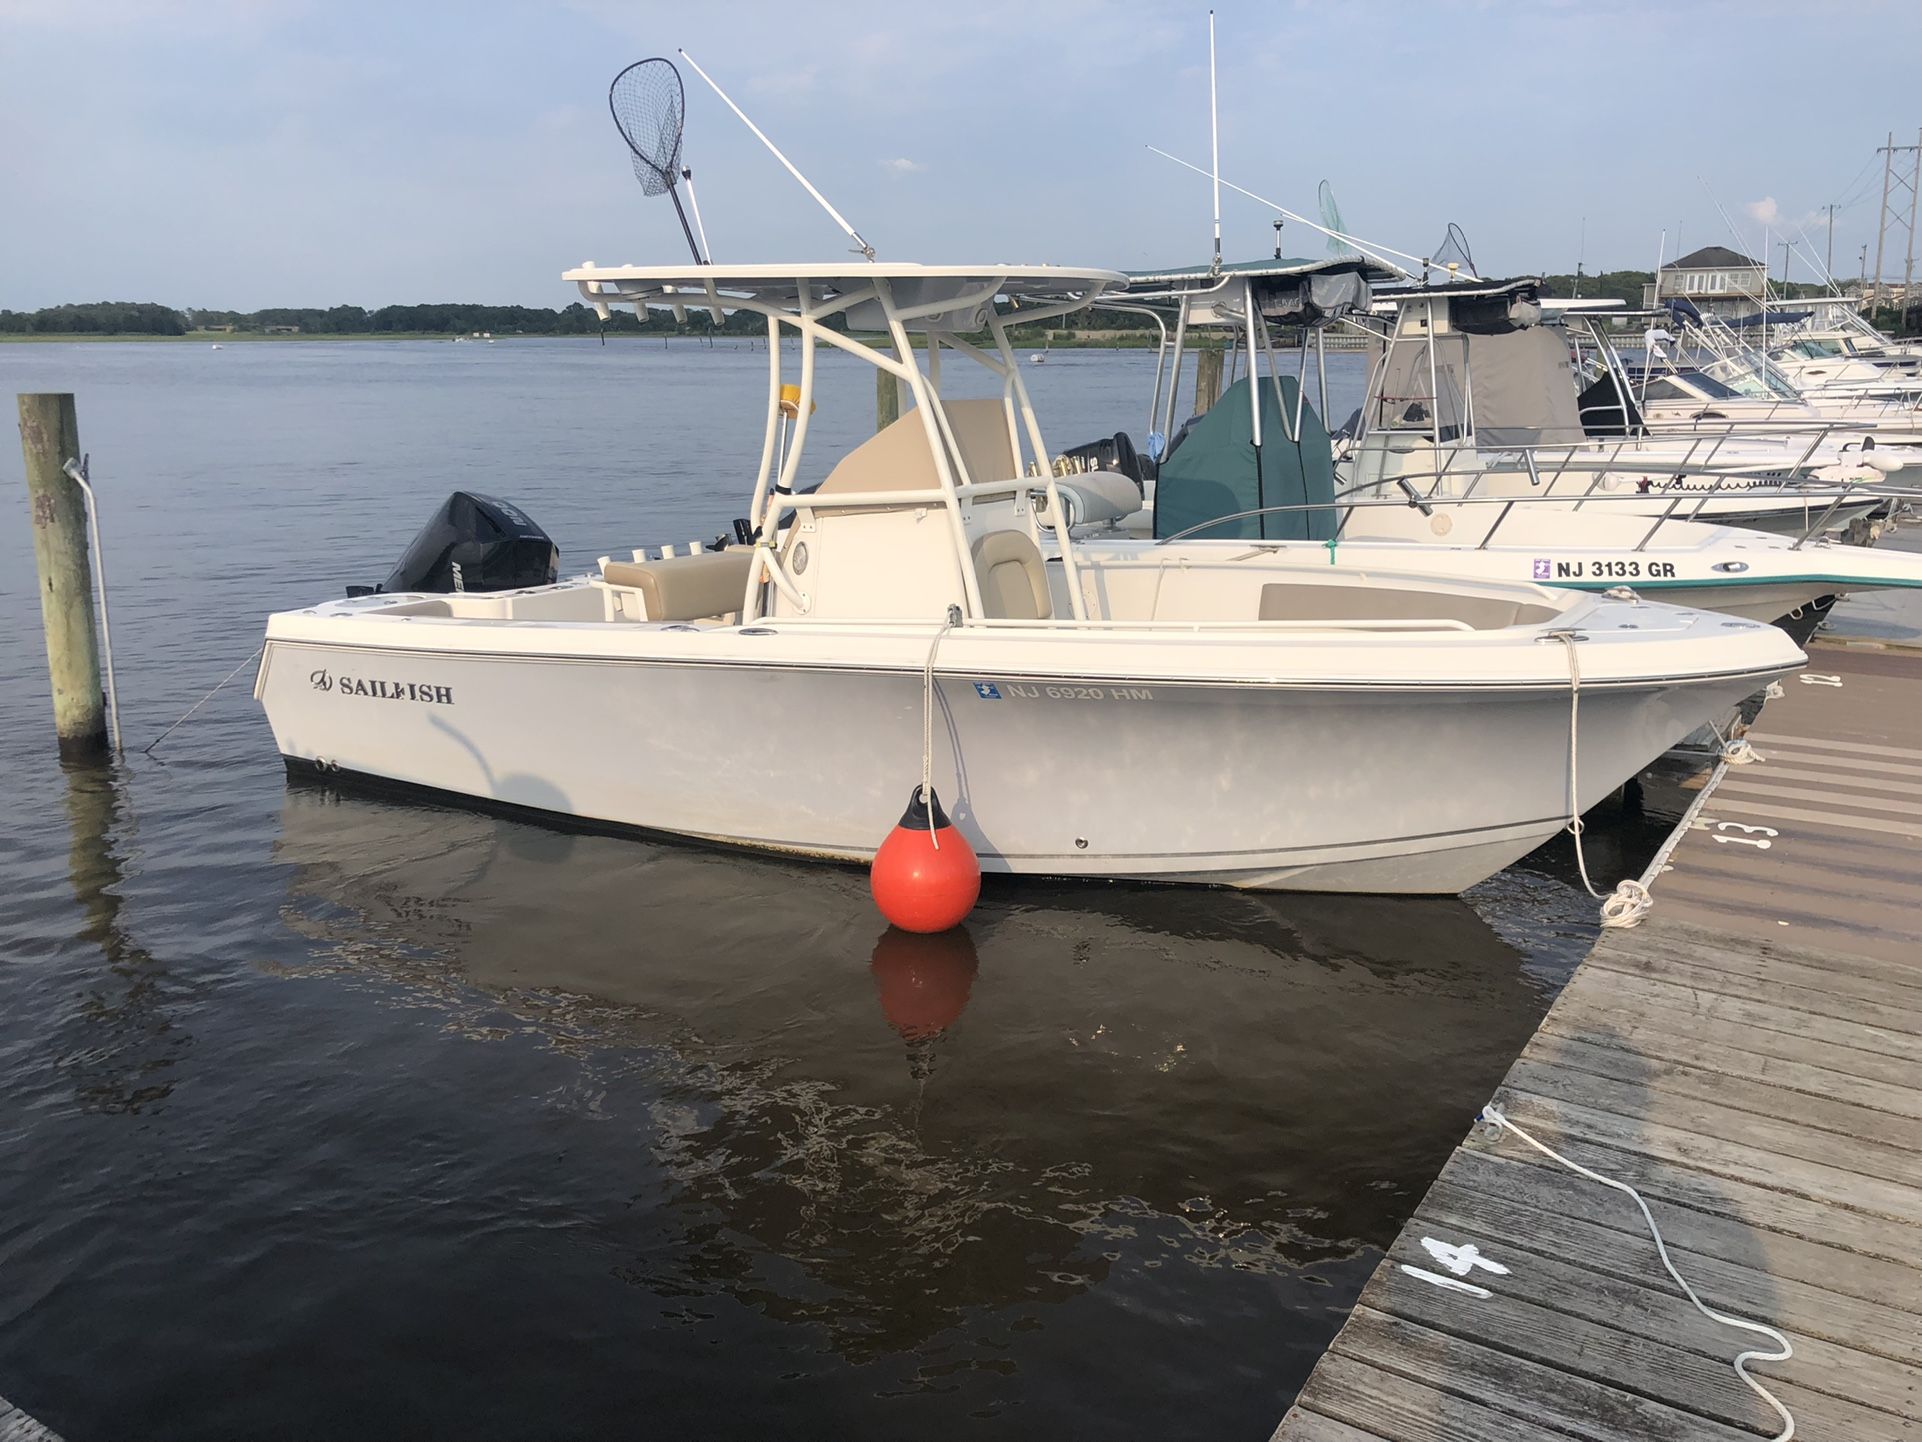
(148, 318)
(101, 317)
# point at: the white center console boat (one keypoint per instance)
(1162, 717)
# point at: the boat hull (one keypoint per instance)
(1420, 789)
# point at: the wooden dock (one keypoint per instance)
(17, 1426)
(1749, 1058)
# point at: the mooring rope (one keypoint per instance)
(927, 726)
(147, 750)
(1630, 900)
(1492, 1115)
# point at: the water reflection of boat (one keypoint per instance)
(1262, 1081)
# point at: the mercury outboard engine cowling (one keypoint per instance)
(476, 543)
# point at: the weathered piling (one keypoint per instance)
(1207, 380)
(887, 400)
(49, 438)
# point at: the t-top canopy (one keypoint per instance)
(952, 297)
(1306, 292)
(1477, 307)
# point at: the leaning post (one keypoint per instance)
(49, 438)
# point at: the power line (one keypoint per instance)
(1849, 196)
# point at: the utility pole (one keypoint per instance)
(1786, 245)
(1828, 264)
(1909, 178)
(1915, 192)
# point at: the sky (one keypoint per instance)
(247, 153)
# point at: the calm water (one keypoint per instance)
(328, 1115)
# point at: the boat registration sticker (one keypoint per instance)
(987, 690)
(1602, 569)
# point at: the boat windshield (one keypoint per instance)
(1705, 384)
(1757, 383)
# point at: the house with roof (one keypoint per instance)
(1718, 280)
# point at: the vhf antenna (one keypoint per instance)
(1214, 140)
(820, 199)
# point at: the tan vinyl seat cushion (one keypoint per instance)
(1281, 601)
(686, 588)
(898, 458)
(1014, 580)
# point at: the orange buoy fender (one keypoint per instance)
(925, 876)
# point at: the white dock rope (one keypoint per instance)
(1627, 904)
(1493, 1115)
(1738, 751)
(1630, 900)
(927, 723)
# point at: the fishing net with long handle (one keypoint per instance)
(1331, 217)
(650, 110)
(1454, 250)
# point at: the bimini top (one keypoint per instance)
(1306, 292)
(952, 297)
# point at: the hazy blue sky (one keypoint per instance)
(307, 152)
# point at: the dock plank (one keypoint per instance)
(1741, 971)
(1650, 995)
(1653, 1344)
(1522, 1388)
(17, 1426)
(1751, 1206)
(1611, 1275)
(1374, 1402)
(1657, 1109)
(1750, 1059)
(1889, 1007)
(1651, 1047)
(1826, 1263)
(1712, 1156)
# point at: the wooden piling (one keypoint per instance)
(887, 400)
(1207, 380)
(49, 438)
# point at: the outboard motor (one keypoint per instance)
(476, 543)
(1114, 453)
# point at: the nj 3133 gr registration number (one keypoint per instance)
(1608, 570)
